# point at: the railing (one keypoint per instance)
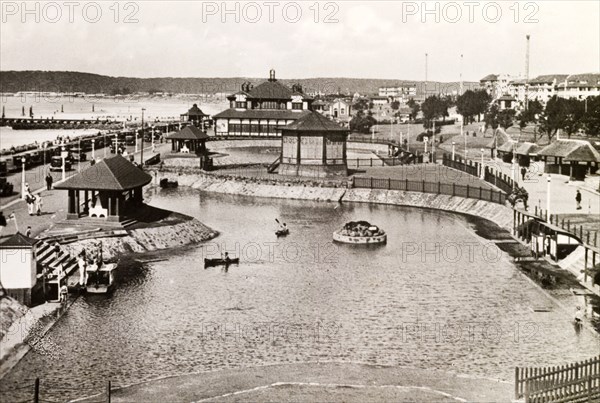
(587, 237)
(566, 383)
(498, 179)
(274, 165)
(377, 162)
(450, 189)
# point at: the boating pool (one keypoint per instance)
(435, 296)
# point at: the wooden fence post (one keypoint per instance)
(389, 183)
(406, 184)
(423, 186)
(479, 192)
(439, 187)
(36, 390)
(467, 191)
(371, 182)
(453, 189)
(108, 392)
(516, 382)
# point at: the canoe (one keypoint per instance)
(219, 261)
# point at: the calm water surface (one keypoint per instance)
(458, 307)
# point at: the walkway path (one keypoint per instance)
(348, 382)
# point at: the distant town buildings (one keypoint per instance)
(262, 110)
(541, 88)
(340, 110)
(402, 93)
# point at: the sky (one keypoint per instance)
(302, 39)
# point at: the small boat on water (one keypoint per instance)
(100, 280)
(282, 232)
(360, 233)
(165, 183)
(220, 262)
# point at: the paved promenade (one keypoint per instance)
(54, 201)
(317, 382)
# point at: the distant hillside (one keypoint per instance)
(70, 81)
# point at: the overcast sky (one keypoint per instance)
(369, 40)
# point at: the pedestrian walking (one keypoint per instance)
(30, 200)
(49, 181)
(38, 204)
(27, 189)
(578, 199)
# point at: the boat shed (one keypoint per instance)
(111, 188)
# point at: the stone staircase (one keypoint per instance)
(46, 256)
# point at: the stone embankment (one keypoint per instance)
(148, 239)
(500, 215)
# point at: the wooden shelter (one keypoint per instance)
(313, 146)
(570, 157)
(110, 188)
(194, 115)
(188, 140)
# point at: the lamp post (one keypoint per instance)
(513, 167)
(23, 177)
(63, 156)
(425, 141)
(548, 199)
(79, 156)
(152, 138)
(137, 134)
(45, 146)
(482, 170)
(104, 142)
(116, 142)
(142, 153)
(93, 149)
(453, 150)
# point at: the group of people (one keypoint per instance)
(361, 229)
(34, 202)
(86, 259)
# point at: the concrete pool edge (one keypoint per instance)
(224, 383)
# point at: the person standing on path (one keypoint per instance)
(28, 232)
(523, 172)
(49, 181)
(38, 204)
(30, 200)
(578, 199)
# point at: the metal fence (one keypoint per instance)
(498, 179)
(450, 189)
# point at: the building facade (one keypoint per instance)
(262, 110)
(340, 110)
(580, 86)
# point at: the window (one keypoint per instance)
(297, 105)
(342, 111)
(240, 105)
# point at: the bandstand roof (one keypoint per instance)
(188, 133)
(194, 111)
(316, 122)
(113, 174)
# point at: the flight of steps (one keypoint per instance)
(46, 257)
(575, 263)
